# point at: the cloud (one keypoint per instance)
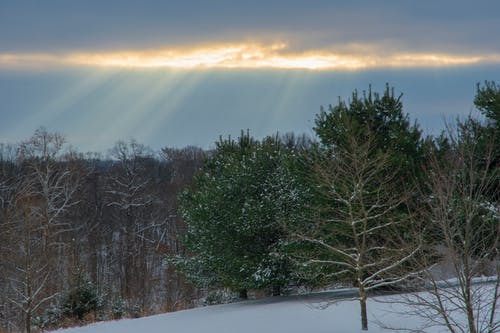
(443, 26)
(248, 56)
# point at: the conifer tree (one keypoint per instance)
(375, 115)
(234, 212)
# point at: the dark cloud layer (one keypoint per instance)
(48, 26)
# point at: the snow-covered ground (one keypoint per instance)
(273, 315)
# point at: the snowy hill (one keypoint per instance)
(273, 315)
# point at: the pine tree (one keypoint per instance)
(234, 212)
(487, 101)
(379, 117)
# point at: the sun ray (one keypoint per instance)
(73, 94)
(169, 102)
(289, 91)
(135, 106)
(142, 113)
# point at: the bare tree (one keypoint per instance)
(63, 214)
(181, 166)
(8, 181)
(464, 228)
(44, 193)
(31, 270)
(357, 233)
(137, 208)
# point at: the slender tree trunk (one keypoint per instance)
(469, 307)
(28, 321)
(29, 290)
(362, 302)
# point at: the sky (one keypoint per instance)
(176, 73)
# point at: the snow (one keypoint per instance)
(293, 314)
(329, 311)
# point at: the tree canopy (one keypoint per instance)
(233, 213)
(375, 115)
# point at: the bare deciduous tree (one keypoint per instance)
(464, 226)
(358, 231)
(63, 214)
(132, 196)
(44, 193)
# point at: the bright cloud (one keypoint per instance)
(246, 56)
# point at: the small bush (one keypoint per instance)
(118, 307)
(50, 318)
(82, 299)
(219, 297)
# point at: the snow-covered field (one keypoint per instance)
(272, 315)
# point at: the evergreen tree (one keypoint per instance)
(379, 119)
(82, 299)
(487, 101)
(234, 212)
(375, 116)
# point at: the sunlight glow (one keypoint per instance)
(244, 56)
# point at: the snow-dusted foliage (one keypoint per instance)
(234, 212)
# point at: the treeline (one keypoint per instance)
(370, 202)
(85, 234)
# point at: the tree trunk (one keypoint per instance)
(29, 293)
(28, 321)
(243, 294)
(469, 307)
(362, 302)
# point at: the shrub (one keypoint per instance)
(82, 299)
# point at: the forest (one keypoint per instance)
(369, 202)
